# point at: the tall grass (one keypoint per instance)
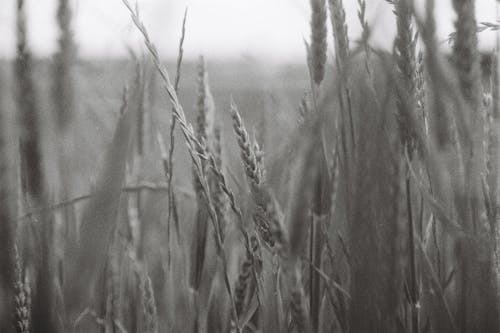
(376, 213)
(33, 177)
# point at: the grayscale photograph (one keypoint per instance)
(250, 166)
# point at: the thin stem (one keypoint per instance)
(169, 167)
(413, 267)
(193, 147)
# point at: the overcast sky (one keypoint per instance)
(262, 29)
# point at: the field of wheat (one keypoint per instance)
(357, 192)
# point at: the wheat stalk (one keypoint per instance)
(340, 34)
(247, 283)
(466, 53)
(318, 40)
(32, 175)
(190, 138)
(205, 104)
(204, 129)
(341, 39)
(32, 178)
(22, 298)
(266, 216)
(168, 159)
(420, 92)
(148, 305)
(472, 288)
(406, 65)
(63, 94)
(218, 194)
(241, 287)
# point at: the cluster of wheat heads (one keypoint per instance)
(378, 213)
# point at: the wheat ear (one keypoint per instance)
(149, 306)
(22, 298)
(340, 34)
(318, 49)
(189, 136)
(267, 215)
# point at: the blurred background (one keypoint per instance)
(220, 29)
(254, 52)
